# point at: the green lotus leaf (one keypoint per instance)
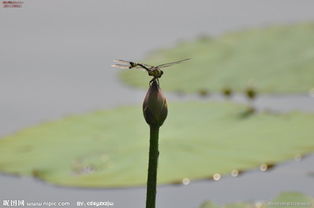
(278, 59)
(110, 148)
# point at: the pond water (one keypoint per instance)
(55, 61)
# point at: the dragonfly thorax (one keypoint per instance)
(155, 72)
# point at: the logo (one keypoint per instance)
(12, 4)
(13, 203)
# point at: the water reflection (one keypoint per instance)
(186, 181)
(216, 177)
(266, 166)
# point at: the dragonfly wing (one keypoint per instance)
(172, 63)
(120, 66)
(121, 61)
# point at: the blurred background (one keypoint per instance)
(55, 59)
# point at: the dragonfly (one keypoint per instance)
(154, 71)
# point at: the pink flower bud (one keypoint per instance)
(155, 106)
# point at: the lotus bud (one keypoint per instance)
(155, 106)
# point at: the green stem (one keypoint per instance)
(152, 168)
